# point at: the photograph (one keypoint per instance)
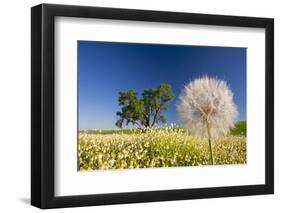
(146, 105)
(139, 105)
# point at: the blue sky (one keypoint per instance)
(105, 68)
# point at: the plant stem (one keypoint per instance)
(210, 143)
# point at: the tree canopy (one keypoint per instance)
(147, 110)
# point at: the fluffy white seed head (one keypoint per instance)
(207, 101)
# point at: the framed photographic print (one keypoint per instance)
(139, 106)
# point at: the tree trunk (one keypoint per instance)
(155, 118)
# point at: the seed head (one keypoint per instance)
(207, 101)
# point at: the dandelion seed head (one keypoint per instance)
(207, 101)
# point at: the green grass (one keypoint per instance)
(115, 131)
(124, 131)
(239, 129)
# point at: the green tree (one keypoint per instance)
(147, 110)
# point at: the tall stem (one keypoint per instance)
(210, 143)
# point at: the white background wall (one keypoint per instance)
(15, 105)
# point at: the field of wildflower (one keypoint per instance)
(156, 147)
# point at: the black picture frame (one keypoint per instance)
(43, 114)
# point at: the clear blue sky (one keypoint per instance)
(105, 68)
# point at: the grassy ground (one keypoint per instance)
(239, 129)
(164, 147)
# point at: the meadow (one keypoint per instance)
(157, 147)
